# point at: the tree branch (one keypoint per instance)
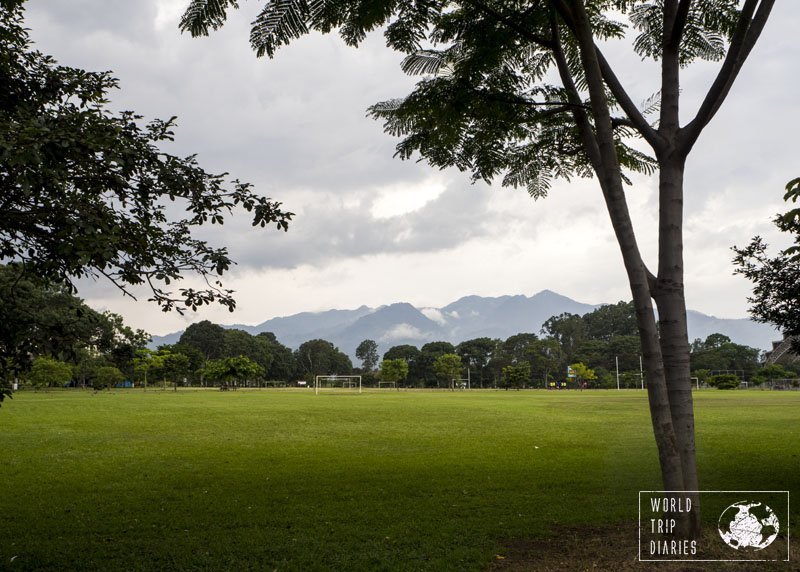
(578, 109)
(621, 96)
(679, 24)
(628, 106)
(744, 38)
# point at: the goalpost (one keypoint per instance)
(387, 384)
(337, 382)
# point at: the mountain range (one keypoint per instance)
(466, 318)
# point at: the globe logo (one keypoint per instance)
(748, 526)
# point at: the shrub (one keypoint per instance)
(724, 381)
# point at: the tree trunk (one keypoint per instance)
(674, 341)
(673, 427)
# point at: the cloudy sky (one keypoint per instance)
(371, 229)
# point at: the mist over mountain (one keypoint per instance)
(466, 318)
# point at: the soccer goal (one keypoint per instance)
(351, 382)
(387, 385)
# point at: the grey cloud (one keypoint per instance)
(328, 230)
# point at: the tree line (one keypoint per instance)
(54, 339)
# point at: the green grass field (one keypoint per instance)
(262, 480)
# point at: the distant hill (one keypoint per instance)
(466, 318)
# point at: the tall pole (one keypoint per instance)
(469, 385)
(616, 359)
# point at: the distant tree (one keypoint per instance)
(321, 357)
(409, 354)
(49, 372)
(568, 330)
(84, 189)
(702, 375)
(776, 280)
(595, 353)
(611, 320)
(107, 376)
(405, 352)
(715, 341)
(719, 353)
(236, 370)
(38, 317)
(628, 349)
(477, 354)
(583, 372)
(543, 357)
(143, 363)
(367, 352)
(395, 370)
(448, 368)
(172, 366)
(283, 363)
(208, 338)
(516, 376)
(195, 358)
(240, 343)
(772, 372)
(517, 348)
(423, 369)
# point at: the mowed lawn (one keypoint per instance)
(263, 480)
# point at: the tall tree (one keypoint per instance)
(516, 376)
(477, 354)
(85, 190)
(611, 320)
(208, 338)
(320, 357)
(367, 352)
(569, 330)
(395, 370)
(448, 368)
(240, 343)
(408, 354)
(776, 280)
(423, 368)
(522, 91)
(40, 318)
(49, 372)
(282, 365)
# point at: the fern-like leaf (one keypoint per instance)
(280, 22)
(425, 62)
(204, 14)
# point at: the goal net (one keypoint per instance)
(337, 382)
(387, 385)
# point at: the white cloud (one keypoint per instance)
(395, 200)
(435, 315)
(404, 332)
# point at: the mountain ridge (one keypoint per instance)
(468, 317)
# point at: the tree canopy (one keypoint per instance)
(776, 279)
(41, 319)
(88, 192)
(367, 352)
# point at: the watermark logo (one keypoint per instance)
(752, 526)
(748, 526)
